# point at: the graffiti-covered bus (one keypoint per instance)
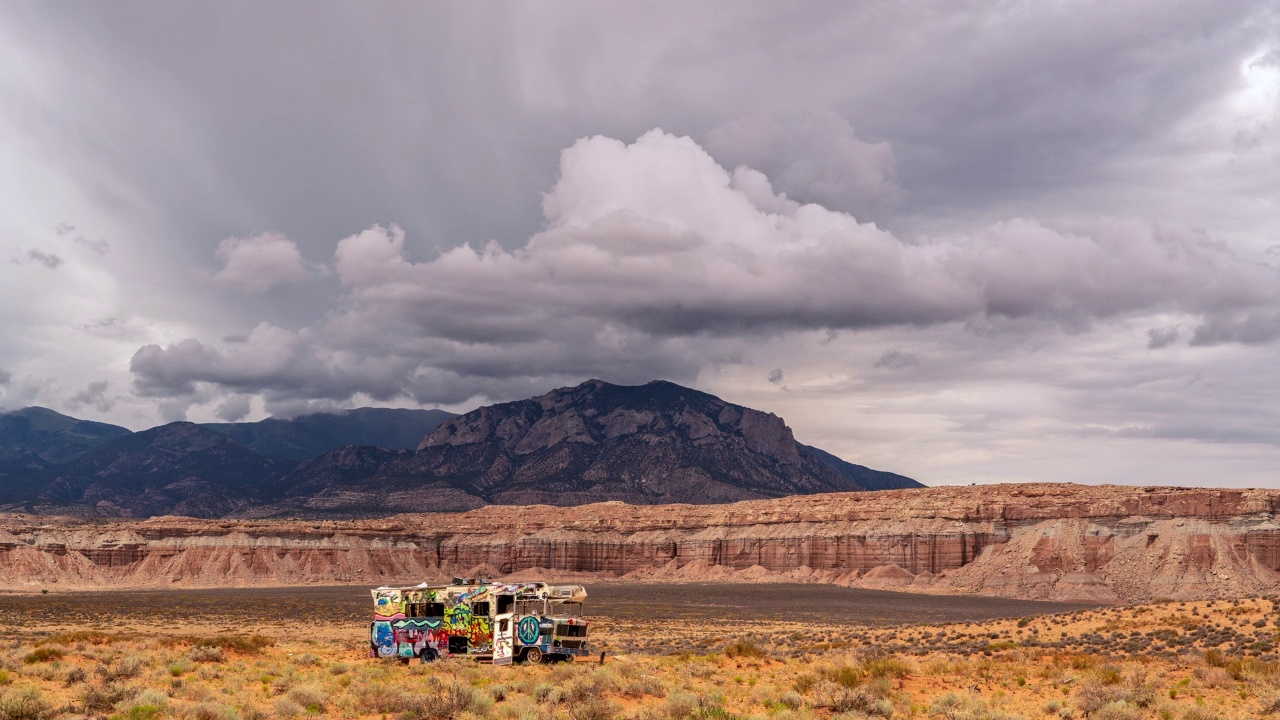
(525, 622)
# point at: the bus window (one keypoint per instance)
(424, 610)
(480, 608)
(505, 603)
(530, 607)
(566, 609)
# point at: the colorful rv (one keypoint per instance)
(525, 622)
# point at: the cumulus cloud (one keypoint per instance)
(95, 396)
(816, 157)
(260, 262)
(234, 408)
(656, 260)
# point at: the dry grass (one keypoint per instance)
(1168, 661)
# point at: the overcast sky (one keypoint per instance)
(964, 241)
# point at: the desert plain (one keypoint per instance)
(673, 651)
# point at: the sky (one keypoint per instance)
(962, 241)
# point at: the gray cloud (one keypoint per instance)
(234, 408)
(775, 376)
(897, 360)
(95, 396)
(814, 158)
(1003, 175)
(49, 260)
(1163, 337)
(5, 376)
(99, 246)
(654, 255)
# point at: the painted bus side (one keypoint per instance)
(502, 622)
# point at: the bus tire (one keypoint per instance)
(428, 655)
(531, 655)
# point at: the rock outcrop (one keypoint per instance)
(1061, 542)
(647, 444)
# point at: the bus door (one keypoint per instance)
(504, 631)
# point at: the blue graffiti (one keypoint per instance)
(527, 630)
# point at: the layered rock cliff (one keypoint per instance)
(1064, 542)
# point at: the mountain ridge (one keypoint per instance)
(647, 444)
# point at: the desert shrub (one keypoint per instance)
(287, 708)
(126, 667)
(958, 707)
(441, 703)
(179, 667)
(148, 705)
(1117, 710)
(791, 699)
(498, 693)
(41, 654)
(592, 708)
(481, 702)
(641, 686)
(744, 648)
(307, 660)
(544, 691)
(244, 644)
(381, 698)
(312, 697)
(1212, 677)
(1199, 713)
(682, 704)
(210, 711)
(1243, 668)
(92, 637)
(24, 703)
(5, 677)
(840, 699)
(339, 669)
(207, 653)
(886, 666)
(103, 698)
(803, 683)
(74, 676)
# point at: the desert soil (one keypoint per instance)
(677, 652)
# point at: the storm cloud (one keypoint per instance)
(1065, 215)
(652, 249)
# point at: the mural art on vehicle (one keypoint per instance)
(402, 626)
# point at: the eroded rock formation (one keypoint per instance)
(1064, 542)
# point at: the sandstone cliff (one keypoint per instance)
(1063, 542)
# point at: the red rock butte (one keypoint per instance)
(1032, 541)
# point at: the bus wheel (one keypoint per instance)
(533, 656)
(428, 655)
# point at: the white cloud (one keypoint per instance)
(656, 261)
(260, 262)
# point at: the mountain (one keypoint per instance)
(310, 435)
(179, 468)
(646, 444)
(865, 477)
(42, 436)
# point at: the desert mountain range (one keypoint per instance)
(648, 444)
(1037, 541)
